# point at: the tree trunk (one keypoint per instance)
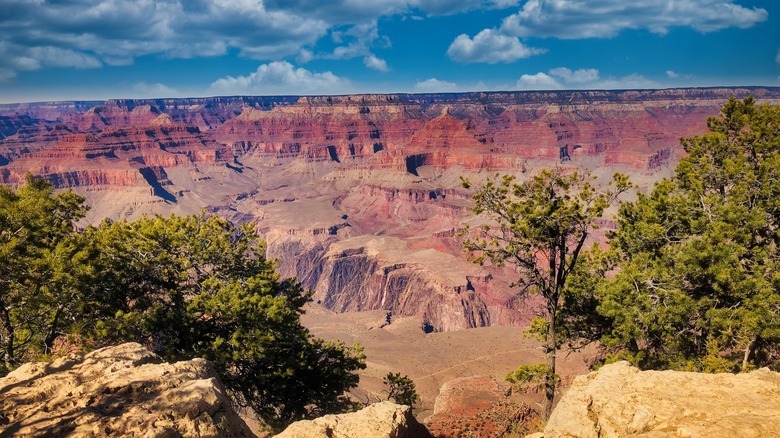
(748, 350)
(549, 380)
(52, 333)
(10, 339)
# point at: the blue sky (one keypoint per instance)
(100, 49)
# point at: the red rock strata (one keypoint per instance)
(358, 196)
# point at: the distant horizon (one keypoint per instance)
(117, 49)
(238, 96)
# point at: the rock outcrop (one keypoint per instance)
(380, 420)
(620, 401)
(117, 391)
(475, 407)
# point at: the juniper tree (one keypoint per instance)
(184, 286)
(697, 280)
(40, 266)
(540, 227)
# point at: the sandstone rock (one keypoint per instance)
(385, 419)
(117, 391)
(620, 401)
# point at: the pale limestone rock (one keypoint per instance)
(621, 401)
(118, 391)
(380, 420)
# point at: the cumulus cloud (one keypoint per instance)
(447, 7)
(538, 81)
(434, 85)
(580, 76)
(489, 46)
(588, 78)
(91, 33)
(357, 41)
(574, 19)
(281, 77)
(334, 10)
(672, 74)
(375, 63)
(14, 57)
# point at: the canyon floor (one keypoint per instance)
(433, 359)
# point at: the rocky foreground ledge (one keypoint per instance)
(621, 401)
(127, 391)
(117, 391)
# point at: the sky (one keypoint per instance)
(102, 49)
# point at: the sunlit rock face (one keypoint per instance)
(619, 400)
(123, 390)
(359, 197)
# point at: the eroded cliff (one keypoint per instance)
(358, 196)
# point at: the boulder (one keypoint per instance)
(380, 420)
(620, 401)
(117, 391)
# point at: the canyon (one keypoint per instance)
(358, 196)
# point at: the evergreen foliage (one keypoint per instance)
(540, 227)
(697, 280)
(529, 377)
(41, 269)
(401, 389)
(184, 286)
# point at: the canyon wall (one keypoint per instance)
(359, 197)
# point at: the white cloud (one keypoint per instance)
(357, 39)
(434, 85)
(489, 46)
(589, 78)
(538, 81)
(90, 33)
(14, 57)
(580, 76)
(375, 63)
(57, 57)
(355, 42)
(777, 58)
(304, 56)
(281, 78)
(672, 74)
(575, 19)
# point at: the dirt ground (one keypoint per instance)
(431, 360)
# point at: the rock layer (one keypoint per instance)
(117, 391)
(358, 196)
(620, 401)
